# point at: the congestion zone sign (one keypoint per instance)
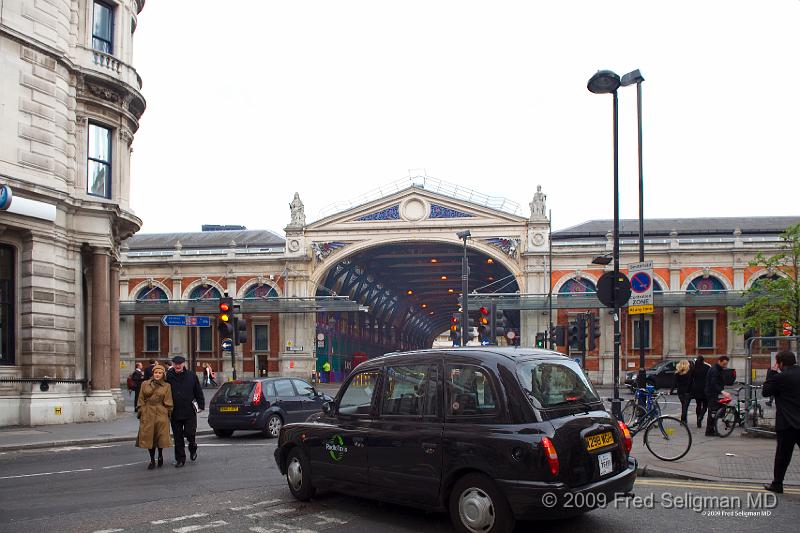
(641, 276)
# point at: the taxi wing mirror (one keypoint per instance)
(328, 408)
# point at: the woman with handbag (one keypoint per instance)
(154, 410)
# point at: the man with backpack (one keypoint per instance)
(135, 384)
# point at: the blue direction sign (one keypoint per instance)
(227, 344)
(184, 320)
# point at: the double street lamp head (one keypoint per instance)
(463, 234)
(604, 82)
(632, 77)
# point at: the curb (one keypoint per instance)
(648, 471)
(78, 442)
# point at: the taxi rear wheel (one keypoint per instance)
(298, 475)
(274, 425)
(477, 506)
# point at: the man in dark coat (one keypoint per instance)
(783, 383)
(715, 385)
(138, 377)
(698, 390)
(185, 390)
(148, 372)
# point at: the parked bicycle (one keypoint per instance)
(667, 437)
(733, 414)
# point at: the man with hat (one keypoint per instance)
(188, 400)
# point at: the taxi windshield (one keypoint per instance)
(555, 383)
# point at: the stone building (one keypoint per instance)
(70, 103)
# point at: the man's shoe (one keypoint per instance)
(774, 487)
(160, 462)
(193, 455)
(179, 464)
(151, 466)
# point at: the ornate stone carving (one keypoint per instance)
(298, 212)
(538, 207)
(104, 93)
(323, 249)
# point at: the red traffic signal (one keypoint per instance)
(225, 309)
(484, 318)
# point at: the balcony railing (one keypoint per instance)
(582, 300)
(106, 61)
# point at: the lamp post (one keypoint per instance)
(605, 82)
(629, 79)
(464, 235)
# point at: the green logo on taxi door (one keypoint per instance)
(336, 448)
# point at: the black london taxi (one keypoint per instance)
(491, 435)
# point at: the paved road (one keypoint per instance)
(235, 486)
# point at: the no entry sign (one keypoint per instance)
(641, 275)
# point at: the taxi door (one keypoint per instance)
(338, 447)
(405, 446)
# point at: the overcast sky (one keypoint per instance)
(250, 101)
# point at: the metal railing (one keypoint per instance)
(748, 421)
(589, 300)
(44, 382)
(309, 304)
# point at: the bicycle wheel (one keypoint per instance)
(661, 403)
(632, 413)
(725, 420)
(668, 438)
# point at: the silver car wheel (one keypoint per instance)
(274, 425)
(476, 510)
(294, 474)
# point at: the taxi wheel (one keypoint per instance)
(298, 475)
(274, 425)
(477, 506)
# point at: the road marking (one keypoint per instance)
(78, 448)
(47, 473)
(328, 520)
(178, 518)
(108, 530)
(214, 445)
(210, 525)
(120, 466)
(282, 528)
(710, 486)
(254, 505)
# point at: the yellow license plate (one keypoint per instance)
(229, 409)
(598, 441)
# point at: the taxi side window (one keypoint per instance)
(406, 391)
(469, 392)
(284, 388)
(357, 399)
(303, 388)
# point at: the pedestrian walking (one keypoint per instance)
(699, 376)
(783, 384)
(154, 409)
(326, 368)
(208, 375)
(715, 386)
(137, 377)
(148, 372)
(187, 395)
(683, 384)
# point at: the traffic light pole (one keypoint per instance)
(464, 292)
(616, 403)
(641, 377)
(550, 278)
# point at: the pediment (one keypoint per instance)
(415, 207)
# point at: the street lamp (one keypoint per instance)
(605, 82)
(464, 235)
(629, 79)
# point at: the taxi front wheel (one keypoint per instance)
(477, 506)
(298, 475)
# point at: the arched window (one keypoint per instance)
(204, 293)
(151, 294)
(657, 286)
(261, 291)
(577, 286)
(705, 285)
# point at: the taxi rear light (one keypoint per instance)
(551, 455)
(627, 440)
(256, 394)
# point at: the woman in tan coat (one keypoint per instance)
(155, 408)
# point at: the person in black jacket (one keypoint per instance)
(683, 382)
(715, 385)
(186, 389)
(698, 389)
(783, 383)
(148, 372)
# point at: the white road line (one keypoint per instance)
(282, 528)
(108, 530)
(254, 505)
(214, 445)
(78, 448)
(120, 466)
(47, 473)
(178, 518)
(210, 525)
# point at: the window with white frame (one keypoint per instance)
(648, 326)
(705, 332)
(260, 337)
(151, 338)
(98, 172)
(204, 340)
(103, 28)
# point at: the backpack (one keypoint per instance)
(131, 383)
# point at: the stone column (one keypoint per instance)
(113, 292)
(101, 321)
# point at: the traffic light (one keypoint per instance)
(483, 326)
(540, 340)
(455, 328)
(240, 330)
(594, 331)
(581, 323)
(557, 334)
(572, 334)
(225, 317)
(500, 323)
